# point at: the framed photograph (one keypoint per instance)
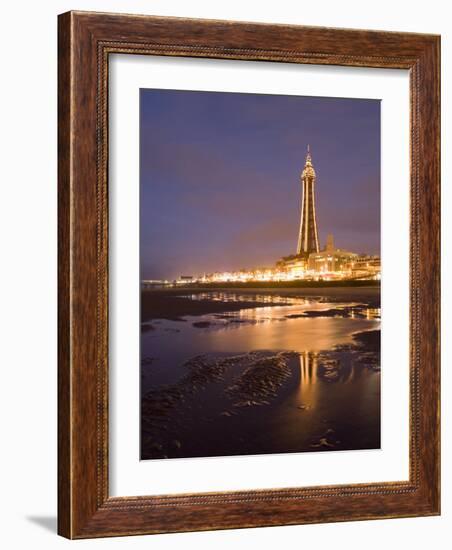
(248, 275)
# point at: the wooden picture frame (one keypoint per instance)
(86, 40)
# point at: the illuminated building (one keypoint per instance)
(307, 237)
(294, 267)
(331, 259)
(366, 266)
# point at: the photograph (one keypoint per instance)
(260, 274)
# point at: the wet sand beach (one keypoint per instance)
(234, 371)
(174, 303)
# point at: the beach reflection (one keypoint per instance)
(331, 402)
(307, 394)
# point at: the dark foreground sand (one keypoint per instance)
(212, 409)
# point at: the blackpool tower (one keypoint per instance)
(307, 238)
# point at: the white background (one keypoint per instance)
(28, 275)
(128, 476)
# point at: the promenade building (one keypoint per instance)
(331, 259)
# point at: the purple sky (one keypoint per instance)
(220, 177)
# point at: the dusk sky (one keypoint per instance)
(220, 177)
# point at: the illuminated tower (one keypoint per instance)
(307, 238)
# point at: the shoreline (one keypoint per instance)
(174, 304)
(279, 285)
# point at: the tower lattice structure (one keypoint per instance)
(307, 238)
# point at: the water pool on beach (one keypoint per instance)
(293, 374)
